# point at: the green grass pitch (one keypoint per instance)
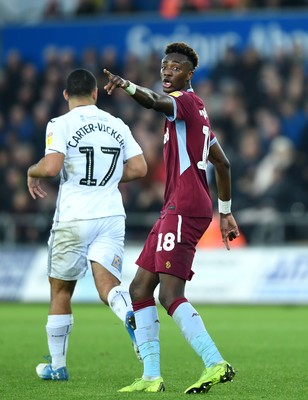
(267, 345)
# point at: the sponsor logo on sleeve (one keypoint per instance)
(49, 139)
(176, 94)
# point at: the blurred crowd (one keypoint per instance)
(166, 8)
(33, 11)
(258, 109)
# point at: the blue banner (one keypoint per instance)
(209, 34)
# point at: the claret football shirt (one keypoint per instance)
(187, 140)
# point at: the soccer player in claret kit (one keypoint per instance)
(167, 257)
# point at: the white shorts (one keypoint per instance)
(73, 244)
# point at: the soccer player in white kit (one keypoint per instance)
(93, 152)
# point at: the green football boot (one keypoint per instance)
(141, 385)
(220, 373)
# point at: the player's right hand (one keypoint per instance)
(115, 82)
(35, 188)
(229, 229)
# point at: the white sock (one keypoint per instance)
(147, 337)
(58, 329)
(193, 329)
(147, 325)
(188, 320)
(119, 301)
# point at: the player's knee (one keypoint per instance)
(165, 299)
(138, 291)
(135, 291)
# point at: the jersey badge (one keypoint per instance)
(117, 262)
(168, 264)
(176, 94)
(49, 139)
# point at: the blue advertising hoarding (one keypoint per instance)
(209, 34)
(276, 275)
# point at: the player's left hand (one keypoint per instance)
(228, 228)
(115, 81)
(35, 188)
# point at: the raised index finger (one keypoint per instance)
(108, 73)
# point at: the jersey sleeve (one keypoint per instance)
(213, 138)
(132, 148)
(183, 105)
(56, 137)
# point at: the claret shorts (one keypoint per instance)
(171, 245)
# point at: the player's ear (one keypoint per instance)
(65, 94)
(94, 94)
(189, 75)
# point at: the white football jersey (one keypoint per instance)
(96, 145)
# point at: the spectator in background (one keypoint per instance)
(303, 160)
(52, 10)
(244, 170)
(146, 6)
(3, 141)
(171, 9)
(89, 60)
(293, 120)
(40, 116)
(274, 171)
(121, 6)
(278, 3)
(87, 7)
(249, 66)
(13, 67)
(20, 124)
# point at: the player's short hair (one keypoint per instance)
(80, 82)
(183, 48)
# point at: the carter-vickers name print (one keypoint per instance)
(89, 128)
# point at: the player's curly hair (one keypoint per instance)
(183, 48)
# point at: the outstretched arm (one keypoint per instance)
(144, 96)
(228, 225)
